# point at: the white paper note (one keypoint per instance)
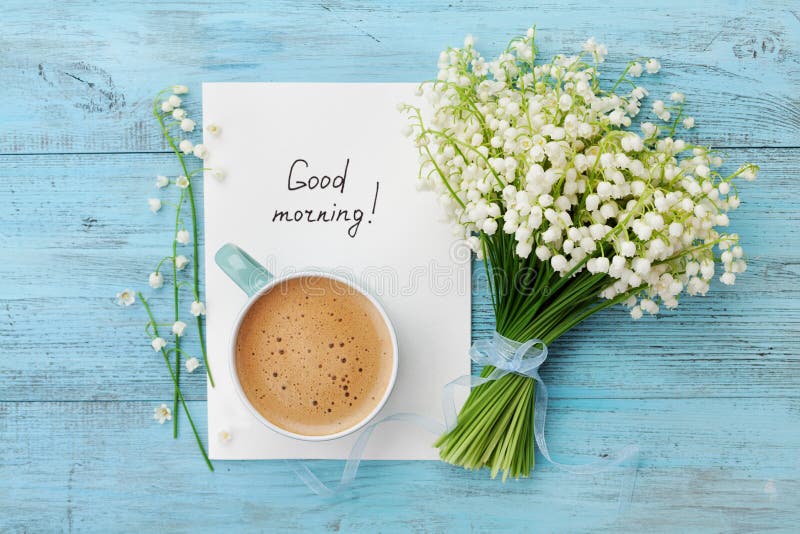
(400, 250)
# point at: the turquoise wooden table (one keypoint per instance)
(710, 393)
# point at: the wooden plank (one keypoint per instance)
(710, 392)
(722, 346)
(80, 79)
(70, 254)
(716, 465)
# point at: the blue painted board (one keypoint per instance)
(711, 392)
(95, 245)
(79, 77)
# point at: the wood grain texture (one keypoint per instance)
(699, 472)
(72, 251)
(711, 393)
(739, 62)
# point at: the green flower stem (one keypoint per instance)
(195, 246)
(175, 289)
(455, 142)
(625, 73)
(161, 262)
(177, 387)
(678, 116)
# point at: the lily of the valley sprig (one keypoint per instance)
(163, 413)
(176, 126)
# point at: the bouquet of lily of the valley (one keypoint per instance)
(572, 208)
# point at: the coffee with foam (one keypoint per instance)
(314, 356)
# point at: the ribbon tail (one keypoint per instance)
(626, 455)
(498, 354)
(357, 452)
(350, 470)
(308, 478)
(449, 399)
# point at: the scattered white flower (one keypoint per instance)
(728, 278)
(564, 102)
(156, 280)
(218, 174)
(126, 297)
(182, 182)
(178, 327)
(649, 306)
(749, 173)
(187, 125)
(162, 414)
(192, 364)
(660, 110)
(628, 249)
(224, 435)
(213, 129)
(162, 181)
(677, 97)
(636, 70)
(688, 123)
(198, 308)
(479, 67)
(200, 151)
(154, 204)
(559, 263)
(180, 89)
(652, 66)
(186, 146)
(166, 106)
(175, 100)
(158, 343)
(179, 114)
(599, 51)
(181, 262)
(183, 237)
(649, 129)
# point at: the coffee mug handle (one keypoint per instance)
(248, 274)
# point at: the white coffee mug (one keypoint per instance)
(255, 280)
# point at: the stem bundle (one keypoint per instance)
(495, 425)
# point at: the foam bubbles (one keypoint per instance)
(298, 362)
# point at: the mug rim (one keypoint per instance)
(235, 375)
